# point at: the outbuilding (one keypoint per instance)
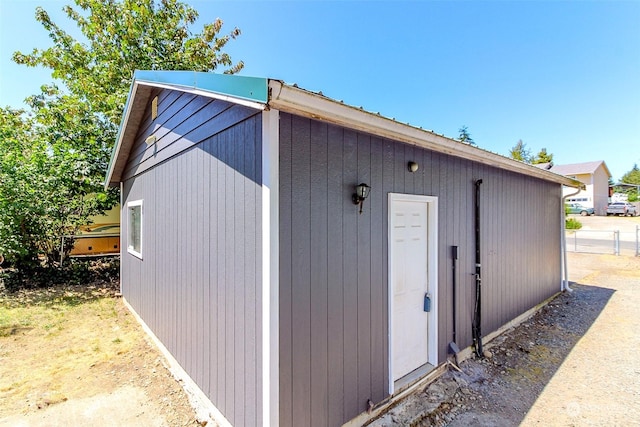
(288, 298)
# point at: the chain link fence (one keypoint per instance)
(614, 242)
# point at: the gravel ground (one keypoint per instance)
(573, 363)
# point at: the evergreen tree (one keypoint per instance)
(465, 136)
(520, 152)
(542, 157)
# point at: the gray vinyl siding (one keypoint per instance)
(198, 286)
(333, 261)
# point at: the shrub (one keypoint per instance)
(573, 224)
(75, 271)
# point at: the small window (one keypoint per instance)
(134, 214)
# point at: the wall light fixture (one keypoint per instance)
(362, 192)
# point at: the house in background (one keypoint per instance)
(285, 302)
(595, 176)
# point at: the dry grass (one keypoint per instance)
(54, 341)
(77, 342)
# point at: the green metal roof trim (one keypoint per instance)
(248, 88)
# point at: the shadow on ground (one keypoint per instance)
(499, 390)
(526, 358)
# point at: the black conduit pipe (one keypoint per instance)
(454, 256)
(477, 318)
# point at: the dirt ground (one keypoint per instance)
(72, 356)
(574, 363)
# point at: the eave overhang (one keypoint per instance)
(316, 106)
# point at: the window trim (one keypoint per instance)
(130, 205)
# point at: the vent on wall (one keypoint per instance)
(154, 108)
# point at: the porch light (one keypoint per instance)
(362, 192)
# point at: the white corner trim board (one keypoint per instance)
(122, 250)
(270, 271)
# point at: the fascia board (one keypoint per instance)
(308, 104)
(118, 144)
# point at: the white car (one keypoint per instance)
(622, 208)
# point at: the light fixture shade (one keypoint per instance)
(362, 191)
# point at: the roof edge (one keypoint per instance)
(576, 168)
(253, 89)
(294, 100)
(118, 143)
(263, 93)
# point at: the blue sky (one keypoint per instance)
(560, 75)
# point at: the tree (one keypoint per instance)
(520, 152)
(631, 177)
(120, 37)
(465, 136)
(542, 157)
(49, 175)
(54, 160)
(20, 165)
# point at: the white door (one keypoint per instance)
(409, 257)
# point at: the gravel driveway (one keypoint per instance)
(574, 363)
(599, 381)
